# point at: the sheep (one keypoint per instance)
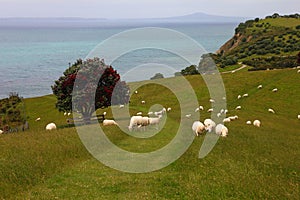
(239, 96)
(69, 114)
(209, 125)
(259, 87)
(143, 102)
(169, 109)
(121, 106)
(38, 119)
(50, 127)
(298, 71)
(150, 113)
(275, 90)
(256, 123)
(238, 108)
(298, 116)
(221, 130)
(139, 113)
(65, 113)
(219, 115)
(212, 101)
(154, 121)
(188, 115)
(245, 95)
(225, 111)
(248, 122)
(201, 108)
(138, 121)
(136, 92)
(270, 110)
(197, 109)
(198, 128)
(108, 122)
(222, 111)
(226, 120)
(1, 132)
(210, 110)
(232, 118)
(161, 112)
(104, 113)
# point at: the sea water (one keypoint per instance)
(33, 57)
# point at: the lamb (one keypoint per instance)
(221, 130)
(239, 96)
(238, 108)
(245, 95)
(219, 115)
(201, 108)
(222, 111)
(38, 119)
(108, 122)
(169, 109)
(209, 125)
(198, 128)
(259, 87)
(275, 90)
(143, 102)
(298, 116)
(270, 110)
(257, 123)
(248, 122)
(50, 127)
(1, 132)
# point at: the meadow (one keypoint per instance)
(251, 163)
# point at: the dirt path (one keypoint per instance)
(235, 70)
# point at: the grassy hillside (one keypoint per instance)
(273, 42)
(252, 163)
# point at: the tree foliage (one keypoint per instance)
(89, 85)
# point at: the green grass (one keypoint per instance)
(284, 22)
(252, 163)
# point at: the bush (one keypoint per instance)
(157, 76)
(191, 70)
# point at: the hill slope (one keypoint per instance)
(252, 163)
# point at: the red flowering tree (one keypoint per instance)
(89, 85)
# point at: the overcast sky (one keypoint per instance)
(144, 8)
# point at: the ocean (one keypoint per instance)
(33, 57)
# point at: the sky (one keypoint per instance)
(115, 9)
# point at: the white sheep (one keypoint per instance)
(219, 115)
(221, 130)
(201, 107)
(150, 113)
(210, 110)
(121, 106)
(226, 120)
(259, 87)
(138, 121)
(298, 71)
(197, 109)
(198, 128)
(38, 119)
(212, 101)
(239, 96)
(169, 109)
(50, 127)
(109, 122)
(139, 113)
(256, 123)
(222, 111)
(1, 132)
(238, 108)
(270, 110)
(143, 102)
(225, 111)
(160, 113)
(154, 121)
(275, 90)
(69, 114)
(298, 116)
(232, 118)
(248, 122)
(245, 95)
(188, 115)
(209, 125)
(136, 92)
(65, 113)
(104, 113)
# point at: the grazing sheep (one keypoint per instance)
(160, 113)
(136, 92)
(245, 95)
(248, 122)
(198, 128)
(270, 110)
(212, 101)
(232, 118)
(226, 120)
(238, 108)
(104, 113)
(143, 102)
(188, 115)
(298, 116)
(209, 125)
(50, 127)
(225, 111)
(139, 113)
(150, 113)
(169, 109)
(219, 115)
(65, 113)
(201, 108)
(210, 110)
(138, 121)
(256, 123)
(1, 132)
(224, 98)
(69, 114)
(154, 121)
(197, 109)
(275, 90)
(38, 119)
(259, 87)
(222, 111)
(233, 71)
(121, 106)
(239, 96)
(221, 130)
(108, 122)
(298, 71)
